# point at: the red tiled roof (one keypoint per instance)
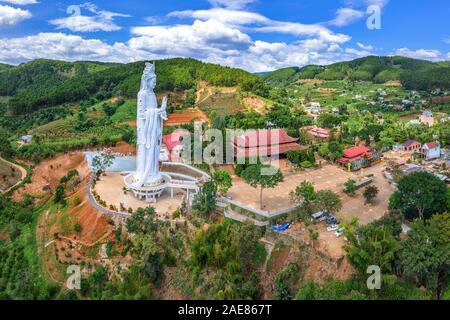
(347, 160)
(173, 139)
(259, 138)
(431, 145)
(355, 151)
(267, 150)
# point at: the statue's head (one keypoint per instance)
(149, 76)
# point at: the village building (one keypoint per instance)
(427, 118)
(411, 145)
(431, 150)
(273, 142)
(26, 138)
(174, 144)
(358, 157)
(318, 132)
(440, 99)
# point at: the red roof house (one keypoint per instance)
(264, 143)
(318, 132)
(355, 153)
(411, 145)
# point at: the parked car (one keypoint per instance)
(319, 216)
(332, 219)
(332, 227)
(339, 232)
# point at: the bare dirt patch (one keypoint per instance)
(256, 104)
(49, 172)
(122, 147)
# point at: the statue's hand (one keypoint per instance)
(162, 110)
(164, 103)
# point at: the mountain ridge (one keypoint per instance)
(412, 73)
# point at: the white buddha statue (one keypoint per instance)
(149, 130)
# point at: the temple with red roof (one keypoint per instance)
(264, 143)
(357, 157)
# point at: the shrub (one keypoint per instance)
(306, 164)
(176, 214)
(313, 234)
(77, 227)
(76, 201)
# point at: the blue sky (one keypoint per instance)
(256, 35)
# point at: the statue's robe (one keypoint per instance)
(149, 139)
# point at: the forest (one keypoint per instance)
(41, 83)
(412, 73)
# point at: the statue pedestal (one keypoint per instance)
(148, 192)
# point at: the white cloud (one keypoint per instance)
(20, 2)
(251, 21)
(199, 39)
(364, 47)
(345, 16)
(427, 54)
(101, 20)
(65, 47)
(446, 40)
(11, 16)
(231, 17)
(366, 3)
(299, 29)
(231, 4)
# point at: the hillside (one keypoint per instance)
(41, 83)
(413, 73)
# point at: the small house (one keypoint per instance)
(411, 145)
(427, 118)
(431, 150)
(358, 157)
(318, 132)
(26, 138)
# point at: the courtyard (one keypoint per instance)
(328, 176)
(109, 188)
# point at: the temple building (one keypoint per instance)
(273, 142)
(358, 157)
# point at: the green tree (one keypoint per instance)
(205, 199)
(5, 144)
(262, 176)
(304, 195)
(145, 249)
(59, 194)
(223, 181)
(426, 252)
(101, 162)
(419, 195)
(142, 221)
(350, 187)
(370, 193)
(328, 201)
(371, 245)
